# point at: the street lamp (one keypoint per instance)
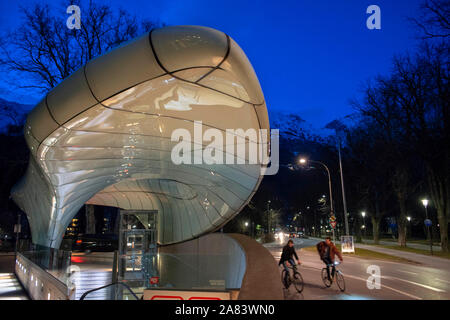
(304, 161)
(364, 222)
(339, 129)
(409, 222)
(245, 227)
(428, 224)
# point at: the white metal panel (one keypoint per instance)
(118, 152)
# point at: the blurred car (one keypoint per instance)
(95, 243)
(301, 234)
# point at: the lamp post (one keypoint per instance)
(428, 224)
(343, 190)
(364, 223)
(339, 129)
(17, 230)
(304, 161)
(409, 222)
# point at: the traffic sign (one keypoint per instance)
(428, 222)
(333, 224)
(332, 218)
(154, 280)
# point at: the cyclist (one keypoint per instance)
(327, 250)
(288, 256)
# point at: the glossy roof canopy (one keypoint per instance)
(103, 135)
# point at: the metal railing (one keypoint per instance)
(107, 286)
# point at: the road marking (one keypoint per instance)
(414, 273)
(412, 282)
(365, 280)
(442, 280)
(387, 287)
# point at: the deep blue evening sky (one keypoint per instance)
(310, 56)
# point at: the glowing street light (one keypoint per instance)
(409, 225)
(428, 224)
(364, 222)
(304, 161)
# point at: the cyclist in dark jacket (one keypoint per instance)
(287, 256)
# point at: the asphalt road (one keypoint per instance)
(399, 281)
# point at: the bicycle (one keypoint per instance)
(338, 275)
(297, 279)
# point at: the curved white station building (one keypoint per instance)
(103, 136)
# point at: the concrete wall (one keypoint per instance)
(242, 262)
(214, 261)
(262, 277)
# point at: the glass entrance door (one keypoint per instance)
(137, 248)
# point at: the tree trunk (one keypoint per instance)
(440, 195)
(357, 229)
(376, 229)
(401, 223)
(401, 181)
(443, 227)
(401, 234)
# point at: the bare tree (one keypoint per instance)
(371, 170)
(434, 21)
(412, 107)
(42, 51)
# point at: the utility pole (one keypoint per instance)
(18, 228)
(343, 189)
(428, 224)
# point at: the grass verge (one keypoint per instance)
(419, 251)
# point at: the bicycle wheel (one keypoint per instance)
(284, 279)
(298, 282)
(340, 280)
(326, 281)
